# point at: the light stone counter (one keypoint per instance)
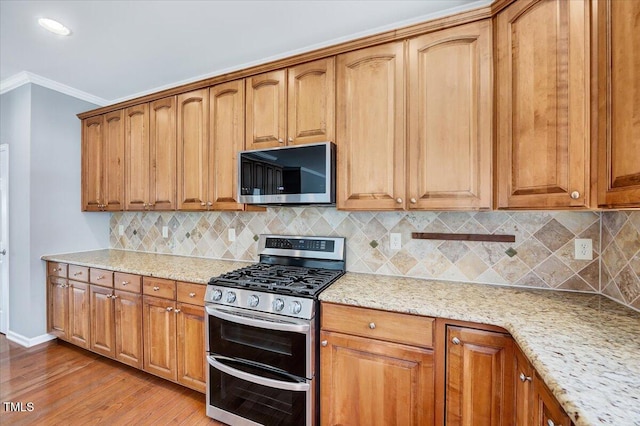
(180, 268)
(584, 346)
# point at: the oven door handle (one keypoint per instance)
(254, 322)
(271, 383)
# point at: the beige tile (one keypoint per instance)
(614, 259)
(403, 262)
(553, 271)
(532, 221)
(511, 269)
(491, 220)
(591, 274)
(575, 283)
(453, 250)
(577, 222)
(532, 252)
(454, 220)
(471, 266)
(628, 240)
(553, 235)
(634, 218)
(628, 284)
(613, 221)
(532, 280)
(567, 255)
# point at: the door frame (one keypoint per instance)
(4, 205)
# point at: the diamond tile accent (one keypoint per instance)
(553, 235)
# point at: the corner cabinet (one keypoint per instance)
(543, 105)
(618, 74)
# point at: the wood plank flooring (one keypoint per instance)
(71, 386)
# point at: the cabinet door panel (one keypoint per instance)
(79, 314)
(193, 145)
(523, 389)
(227, 139)
(547, 409)
(114, 161)
(137, 151)
(128, 322)
(311, 102)
(619, 113)
(266, 110)
(479, 387)
(58, 307)
(92, 163)
(370, 130)
(159, 321)
(190, 349)
(450, 104)
(371, 382)
(162, 147)
(102, 335)
(542, 108)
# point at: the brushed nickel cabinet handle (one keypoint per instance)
(324, 343)
(290, 139)
(575, 195)
(372, 325)
(101, 277)
(413, 201)
(455, 341)
(280, 140)
(524, 378)
(169, 309)
(203, 204)
(156, 288)
(399, 200)
(192, 294)
(124, 283)
(550, 422)
(177, 311)
(75, 274)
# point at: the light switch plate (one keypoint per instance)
(231, 234)
(395, 241)
(583, 249)
(165, 232)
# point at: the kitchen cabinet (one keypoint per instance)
(68, 304)
(291, 106)
(547, 410)
(103, 337)
(191, 328)
(150, 145)
(128, 319)
(58, 313)
(618, 66)
(450, 100)
(159, 337)
(377, 367)
(103, 162)
(79, 314)
(370, 128)
(543, 105)
(478, 377)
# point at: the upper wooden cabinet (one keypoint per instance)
(103, 162)
(450, 118)
(618, 74)
(542, 77)
(291, 106)
(370, 128)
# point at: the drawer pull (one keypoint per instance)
(56, 270)
(372, 325)
(455, 341)
(324, 343)
(169, 309)
(177, 311)
(156, 288)
(524, 378)
(192, 294)
(124, 283)
(550, 422)
(101, 277)
(75, 274)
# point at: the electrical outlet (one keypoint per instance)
(231, 235)
(165, 232)
(120, 230)
(395, 241)
(584, 249)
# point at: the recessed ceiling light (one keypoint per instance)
(54, 26)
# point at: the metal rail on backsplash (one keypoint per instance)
(499, 238)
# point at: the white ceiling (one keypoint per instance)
(123, 49)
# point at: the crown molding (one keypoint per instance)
(26, 77)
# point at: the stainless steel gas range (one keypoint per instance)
(262, 332)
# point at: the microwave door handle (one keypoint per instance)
(254, 322)
(271, 383)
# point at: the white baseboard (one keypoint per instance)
(26, 341)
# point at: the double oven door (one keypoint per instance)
(261, 368)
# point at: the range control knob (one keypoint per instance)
(296, 307)
(231, 297)
(253, 300)
(278, 304)
(217, 294)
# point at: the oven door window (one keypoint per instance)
(268, 405)
(283, 350)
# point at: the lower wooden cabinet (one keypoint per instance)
(103, 336)
(58, 305)
(160, 337)
(128, 322)
(79, 314)
(190, 346)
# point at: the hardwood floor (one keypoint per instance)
(71, 386)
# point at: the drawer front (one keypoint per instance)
(384, 325)
(101, 277)
(79, 273)
(127, 282)
(57, 269)
(191, 293)
(159, 287)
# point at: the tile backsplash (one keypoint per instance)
(544, 243)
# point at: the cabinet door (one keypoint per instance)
(137, 151)
(619, 104)
(479, 378)
(370, 128)
(226, 140)
(311, 102)
(58, 307)
(371, 382)
(162, 151)
(543, 105)
(92, 163)
(159, 321)
(102, 334)
(191, 356)
(450, 121)
(523, 389)
(113, 185)
(79, 314)
(266, 110)
(128, 323)
(193, 145)
(548, 411)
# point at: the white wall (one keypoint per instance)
(44, 196)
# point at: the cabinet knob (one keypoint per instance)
(151, 205)
(290, 139)
(399, 200)
(177, 311)
(524, 378)
(209, 203)
(101, 277)
(550, 422)
(413, 201)
(372, 325)
(280, 140)
(169, 309)
(124, 283)
(192, 295)
(144, 204)
(203, 204)
(156, 288)
(115, 296)
(324, 343)
(455, 341)
(75, 274)
(575, 195)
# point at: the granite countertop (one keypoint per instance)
(584, 346)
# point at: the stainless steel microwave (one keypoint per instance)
(296, 175)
